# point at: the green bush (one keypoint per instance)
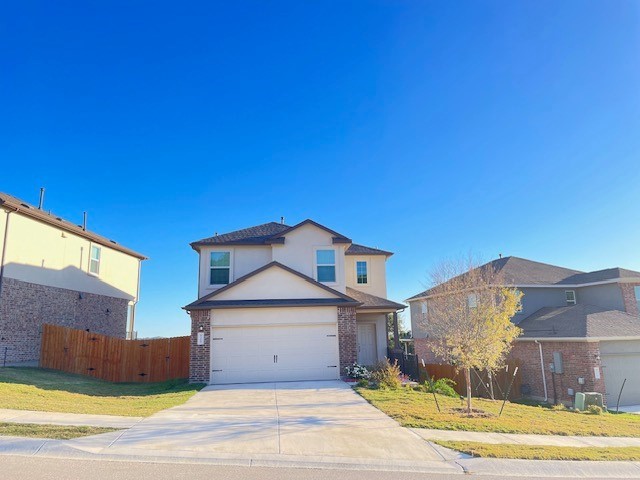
(363, 383)
(443, 386)
(560, 407)
(387, 375)
(595, 410)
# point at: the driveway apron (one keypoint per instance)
(311, 419)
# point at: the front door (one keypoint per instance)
(367, 344)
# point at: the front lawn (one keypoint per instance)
(53, 391)
(56, 432)
(544, 452)
(417, 409)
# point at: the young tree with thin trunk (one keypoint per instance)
(468, 318)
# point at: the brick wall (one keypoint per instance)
(579, 360)
(347, 337)
(424, 352)
(24, 307)
(200, 361)
(629, 297)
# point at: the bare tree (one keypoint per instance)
(468, 318)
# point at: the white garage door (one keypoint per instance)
(620, 361)
(246, 354)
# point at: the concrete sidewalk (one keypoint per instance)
(526, 439)
(74, 419)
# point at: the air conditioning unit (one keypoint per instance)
(586, 399)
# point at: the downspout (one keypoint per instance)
(133, 307)
(4, 249)
(544, 377)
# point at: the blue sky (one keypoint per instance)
(427, 128)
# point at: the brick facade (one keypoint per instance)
(24, 307)
(424, 351)
(200, 360)
(629, 298)
(579, 359)
(347, 331)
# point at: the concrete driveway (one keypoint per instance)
(311, 420)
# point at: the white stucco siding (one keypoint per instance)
(299, 253)
(417, 319)
(380, 321)
(40, 253)
(274, 316)
(376, 273)
(244, 260)
(274, 283)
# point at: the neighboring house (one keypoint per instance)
(280, 303)
(53, 271)
(585, 326)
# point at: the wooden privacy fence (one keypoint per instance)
(480, 383)
(114, 359)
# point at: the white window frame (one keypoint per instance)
(209, 268)
(366, 268)
(575, 298)
(334, 264)
(424, 309)
(91, 259)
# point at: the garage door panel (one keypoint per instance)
(246, 354)
(617, 368)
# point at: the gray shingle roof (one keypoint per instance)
(15, 204)
(372, 302)
(355, 249)
(580, 321)
(519, 271)
(257, 235)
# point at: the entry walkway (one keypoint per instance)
(74, 419)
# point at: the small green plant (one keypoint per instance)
(595, 410)
(443, 386)
(364, 383)
(560, 407)
(387, 375)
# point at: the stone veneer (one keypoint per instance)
(200, 356)
(347, 331)
(25, 307)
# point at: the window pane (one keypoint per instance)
(571, 296)
(637, 289)
(94, 266)
(95, 253)
(472, 300)
(361, 270)
(325, 257)
(326, 274)
(220, 259)
(219, 276)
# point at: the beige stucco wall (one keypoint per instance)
(244, 260)
(39, 253)
(298, 252)
(376, 272)
(380, 321)
(274, 283)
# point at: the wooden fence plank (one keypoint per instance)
(114, 359)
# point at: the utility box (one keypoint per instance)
(558, 363)
(586, 399)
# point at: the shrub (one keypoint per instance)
(387, 375)
(363, 383)
(560, 407)
(443, 386)
(358, 371)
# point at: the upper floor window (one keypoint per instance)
(362, 276)
(94, 260)
(220, 268)
(637, 289)
(326, 265)
(472, 300)
(424, 309)
(571, 297)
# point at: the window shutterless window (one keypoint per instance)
(220, 268)
(425, 309)
(472, 300)
(326, 265)
(362, 276)
(571, 297)
(94, 260)
(637, 289)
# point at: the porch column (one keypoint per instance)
(396, 332)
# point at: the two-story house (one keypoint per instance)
(581, 330)
(54, 271)
(281, 303)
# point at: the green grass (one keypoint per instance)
(56, 432)
(53, 391)
(544, 452)
(417, 409)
